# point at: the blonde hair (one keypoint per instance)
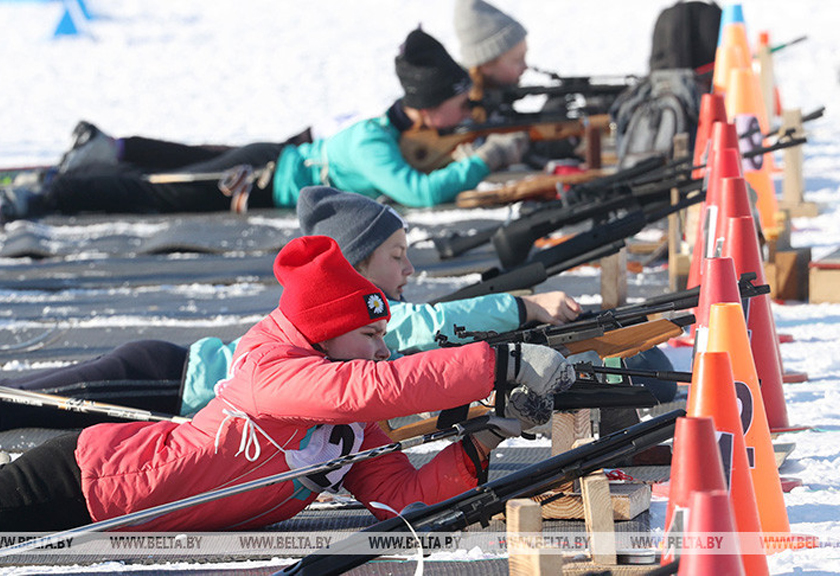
(479, 114)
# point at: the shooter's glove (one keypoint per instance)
(501, 150)
(527, 376)
(498, 429)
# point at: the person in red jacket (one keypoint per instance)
(309, 382)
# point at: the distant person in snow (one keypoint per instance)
(363, 158)
(494, 49)
(169, 378)
(308, 384)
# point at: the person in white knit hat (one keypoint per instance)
(493, 47)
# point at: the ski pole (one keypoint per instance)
(36, 399)
(456, 431)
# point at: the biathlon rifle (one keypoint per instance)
(597, 242)
(479, 505)
(427, 149)
(573, 95)
(646, 177)
(587, 392)
(596, 323)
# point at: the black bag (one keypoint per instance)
(685, 36)
(649, 115)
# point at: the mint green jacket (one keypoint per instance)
(365, 158)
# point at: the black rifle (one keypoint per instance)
(456, 244)
(598, 242)
(479, 505)
(514, 241)
(654, 173)
(576, 95)
(594, 323)
(680, 300)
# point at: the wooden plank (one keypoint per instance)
(792, 274)
(600, 526)
(614, 280)
(627, 501)
(523, 521)
(781, 451)
(566, 429)
(824, 279)
(793, 180)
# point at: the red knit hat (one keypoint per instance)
(323, 296)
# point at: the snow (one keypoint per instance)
(262, 70)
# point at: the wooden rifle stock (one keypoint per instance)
(538, 187)
(426, 149)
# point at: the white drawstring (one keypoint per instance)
(249, 444)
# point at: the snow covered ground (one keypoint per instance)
(261, 70)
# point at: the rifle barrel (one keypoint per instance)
(480, 504)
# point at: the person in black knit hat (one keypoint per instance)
(365, 158)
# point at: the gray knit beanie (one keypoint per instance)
(357, 223)
(485, 32)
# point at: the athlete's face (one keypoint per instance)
(363, 343)
(507, 69)
(388, 266)
(450, 113)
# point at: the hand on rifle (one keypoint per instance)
(498, 429)
(501, 150)
(528, 376)
(555, 307)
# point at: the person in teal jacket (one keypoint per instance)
(169, 378)
(98, 175)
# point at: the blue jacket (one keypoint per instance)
(365, 158)
(412, 328)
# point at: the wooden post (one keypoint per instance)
(793, 181)
(566, 428)
(766, 80)
(678, 227)
(593, 146)
(524, 520)
(614, 279)
(598, 512)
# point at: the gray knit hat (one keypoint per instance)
(357, 223)
(485, 32)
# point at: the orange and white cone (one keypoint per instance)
(728, 333)
(712, 394)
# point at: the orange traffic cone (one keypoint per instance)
(725, 162)
(720, 285)
(696, 465)
(727, 58)
(728, 333)
(745, 108)
(712, 109)
(735, 202)
(712, 394)
(712, 546)
(741, 243)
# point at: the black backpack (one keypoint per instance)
(648, 115)
(685, 36)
